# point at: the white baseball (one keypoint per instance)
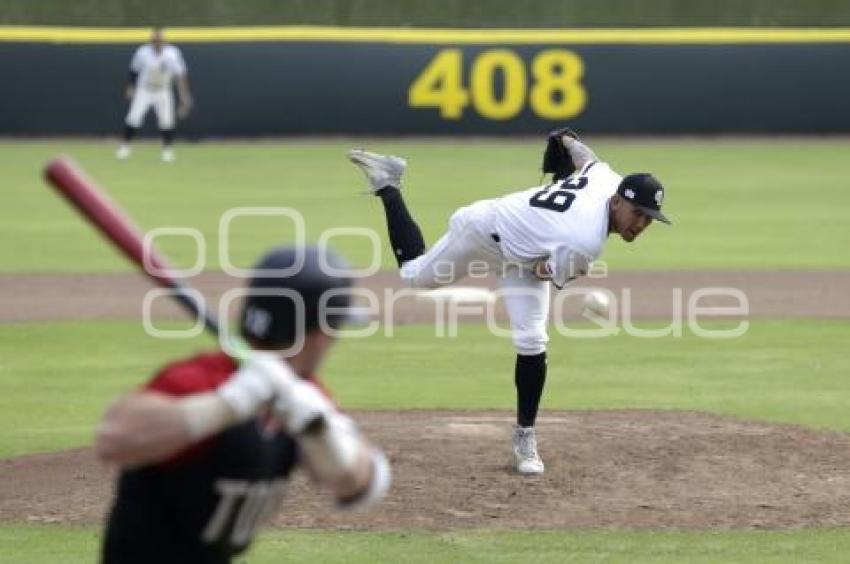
(596, 302)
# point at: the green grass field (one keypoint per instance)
(71, 545)
(792, 371)
(736, 204)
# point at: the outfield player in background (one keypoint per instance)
(206, 446)
(153, 69)
(548, 234)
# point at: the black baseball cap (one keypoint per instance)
(308, 271)
(645, 192)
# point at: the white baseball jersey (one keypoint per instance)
(157, 70)
(565, 223)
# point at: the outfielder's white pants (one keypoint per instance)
(162, 102)
(466, 247)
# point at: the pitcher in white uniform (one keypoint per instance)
(532, 238)
(153, 70)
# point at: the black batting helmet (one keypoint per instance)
(293, 290)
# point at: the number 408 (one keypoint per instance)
(556, 89)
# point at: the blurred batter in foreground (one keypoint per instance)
(205, 449)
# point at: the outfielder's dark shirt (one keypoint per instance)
(205, 504)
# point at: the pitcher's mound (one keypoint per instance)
(625, 469)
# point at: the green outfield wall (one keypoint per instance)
(297, 80)
(434, 13)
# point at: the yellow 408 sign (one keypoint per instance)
(556, 90)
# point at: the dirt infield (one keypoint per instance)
(770, 294)
(610, 469)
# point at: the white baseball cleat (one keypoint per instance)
(528, 462)
(381, 170)
(168, 155)
(123, 152)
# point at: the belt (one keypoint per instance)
(495, 237)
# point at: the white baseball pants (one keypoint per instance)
(466, 247)
(163, 105)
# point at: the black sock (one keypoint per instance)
(167, 137)
(529, 378)
(405, 236)
(129, 132)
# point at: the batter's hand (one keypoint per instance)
(265, 378)
(300, 405)
(258, 381)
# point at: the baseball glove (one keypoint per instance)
(556, 158)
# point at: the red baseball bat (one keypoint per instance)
(92, 201)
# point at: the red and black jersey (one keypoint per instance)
(205, 503)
